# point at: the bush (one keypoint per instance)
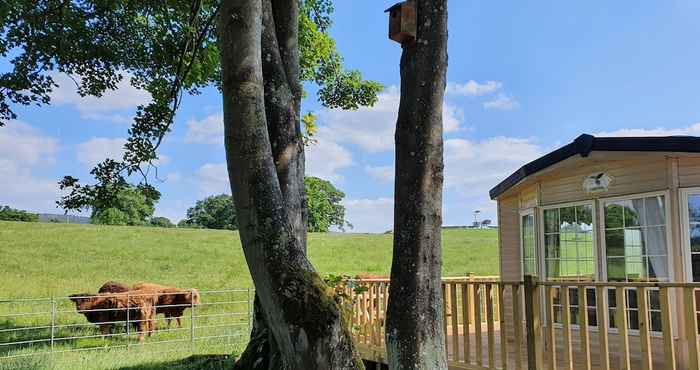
(11, 214)
(161, 222)
(110, 216)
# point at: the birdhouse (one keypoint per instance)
(402, 22)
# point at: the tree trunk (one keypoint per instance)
(263, 140)
(282, 109)
(414, 336)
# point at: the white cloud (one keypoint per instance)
(23, 144)
(209, 130)
(213, 179)
(173, 176)
(125, 97)
(23, 150)
(370, 215)
(692, 130)
(473, 88)
(325, 158)
(382, 173)
(502, 102)
(97, 149)
(23, 190)
(473, 167)
(372, 128)
(452, 116)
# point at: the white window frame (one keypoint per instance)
(669, 241)
(686, 253)
(541, 245)
(594, 220)
(667, 212)
(529, 212)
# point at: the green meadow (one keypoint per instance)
(55, 260)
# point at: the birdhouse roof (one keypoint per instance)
(395, 6)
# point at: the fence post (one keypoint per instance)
(192, 317)
(128, 324)
(53, 322)
(533, 324)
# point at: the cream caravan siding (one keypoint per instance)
(509, 238)
(628, 177)
(509, 248)
(688, 171)
(528, 198)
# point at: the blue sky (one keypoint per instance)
(524, 78)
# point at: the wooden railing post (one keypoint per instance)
(454, 323)
(533, 324)
(667, 329)
(517, 327)
(550, 292)
(471, 279)
(502, 318)
(466, 310)
(621, 323)
(445, 292)
(583, 327)
(691, 330)
(603, 324)
(644, 322)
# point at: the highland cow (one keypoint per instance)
(137, 307)
(172, 302)
(114, 287)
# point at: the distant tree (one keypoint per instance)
(110, 216)
(183, 224)
(161, 222)
(324, 205)
(114, 203)
(323, 202)
(214, 212)
(486, 223)
(11, 214)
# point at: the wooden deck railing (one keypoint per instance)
(492, 324)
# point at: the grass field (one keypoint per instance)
(43, 260)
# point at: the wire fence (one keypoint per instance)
(216, 321)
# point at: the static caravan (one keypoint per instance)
(617, 210)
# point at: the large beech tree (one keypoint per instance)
(257, 52)
(414, 336)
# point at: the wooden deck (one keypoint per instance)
(377, 353)
(501, 316)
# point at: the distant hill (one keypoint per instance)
(65, 219)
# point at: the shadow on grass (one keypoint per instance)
(37, 338)
(31, 337)
(205, 362)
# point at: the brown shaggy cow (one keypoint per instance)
(114, 287)
(106, 309)
(172, 302)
